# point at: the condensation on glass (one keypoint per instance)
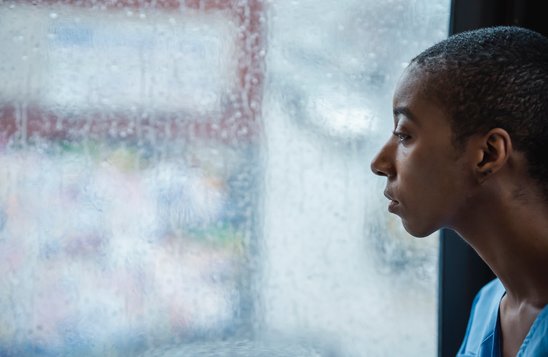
(191, 178)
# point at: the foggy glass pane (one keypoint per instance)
(338, 266)
(191, 178)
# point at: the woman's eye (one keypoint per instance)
(401, 136)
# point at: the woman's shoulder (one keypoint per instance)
(480, 334)
(494, 290)
(487, 301)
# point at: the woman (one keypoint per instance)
(469, 152)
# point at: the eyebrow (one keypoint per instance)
(404, 111)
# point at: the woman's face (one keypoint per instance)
(428, 180)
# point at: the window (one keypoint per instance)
(193, 176)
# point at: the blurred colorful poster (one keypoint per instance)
(115, 238)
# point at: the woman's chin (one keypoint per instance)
(416, 230)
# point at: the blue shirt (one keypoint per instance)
(482, 338)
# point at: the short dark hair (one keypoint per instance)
(494, 77)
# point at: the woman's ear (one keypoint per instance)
(495, 149)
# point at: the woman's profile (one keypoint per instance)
(469, 152)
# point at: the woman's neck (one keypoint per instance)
(510, 234)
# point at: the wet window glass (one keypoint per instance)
(192, 178)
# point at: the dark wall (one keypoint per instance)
(472, 14)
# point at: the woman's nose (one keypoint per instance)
(381, 165)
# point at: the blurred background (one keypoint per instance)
(191, 178)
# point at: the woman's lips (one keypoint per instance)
(392, 206)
